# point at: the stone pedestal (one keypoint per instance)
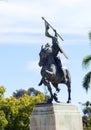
(55, 117)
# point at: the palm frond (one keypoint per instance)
(87, 81)
(86, 61)
(90, 35)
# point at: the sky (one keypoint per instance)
(22, 32)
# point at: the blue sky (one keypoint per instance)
(22, 34)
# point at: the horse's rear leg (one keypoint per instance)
(69, 91)
(50, 90)
(68, 83)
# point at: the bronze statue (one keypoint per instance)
(52, 70)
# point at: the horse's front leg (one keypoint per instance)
(51, 94)
(43, 80)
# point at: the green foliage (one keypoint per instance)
(87, 115)
(90, 35)
(31, 92)
(19, 93)
(87, 81)
(15, 112)
(89, 124)
(87, 109)
(85, 63)
(2, 91)
(3, 120)
(87, 128)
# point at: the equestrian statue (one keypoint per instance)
(52, 71)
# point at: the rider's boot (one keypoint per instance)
(51, 74)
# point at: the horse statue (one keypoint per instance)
(51, 73)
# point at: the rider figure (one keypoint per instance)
(55, 50)
(55, 46)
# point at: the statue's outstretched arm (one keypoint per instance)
(46, 31)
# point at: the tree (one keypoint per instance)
(3, 120)
(87, 109)
(2, 91)
(19, 93)
(15, 112)
(18, 111)
(31, 92)
(86, 62)
(86, 115)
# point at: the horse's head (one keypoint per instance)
(44, 54)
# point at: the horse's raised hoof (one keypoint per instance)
(55, 98)
(40, 83)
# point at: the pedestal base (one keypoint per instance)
(55, 117)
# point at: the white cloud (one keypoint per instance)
(69, 2)
(20, 39)
(19, 17)
(19, 30)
